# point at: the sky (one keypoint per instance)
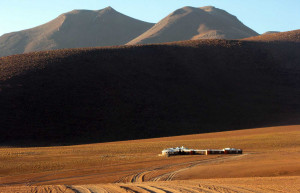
(260, 15)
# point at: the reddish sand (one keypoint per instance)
(271, 155)
(266, 184)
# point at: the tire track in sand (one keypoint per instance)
(273, 184)
(140, 176)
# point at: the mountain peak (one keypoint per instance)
(270, 32)
(189, 23)
(109, 8)
(208, 8)
(75, 29)
(108, 11)
(183, 10)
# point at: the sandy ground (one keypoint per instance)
(270, 163)
(258, 184)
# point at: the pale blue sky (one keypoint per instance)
(260, 15)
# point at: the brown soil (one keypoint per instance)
(268, 152)
(229, 185)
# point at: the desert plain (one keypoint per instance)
(269, 163)
(120, 114)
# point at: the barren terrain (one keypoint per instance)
(247, 185)
(194, 23)
(76, 96)
(271, 155)
(75, 29)
(289, 36)
(107, 27)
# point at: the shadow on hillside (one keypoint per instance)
(77, 96)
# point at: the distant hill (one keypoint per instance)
(189, 23)
(75, 29)
(290, 36)
(131, 92)
(270, 32)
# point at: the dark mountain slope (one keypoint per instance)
(190, 23)
(106, 94)
(75, 29)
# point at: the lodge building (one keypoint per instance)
(186, 151)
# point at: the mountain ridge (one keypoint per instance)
(195, 23)
(77, 28)
(107, 27)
